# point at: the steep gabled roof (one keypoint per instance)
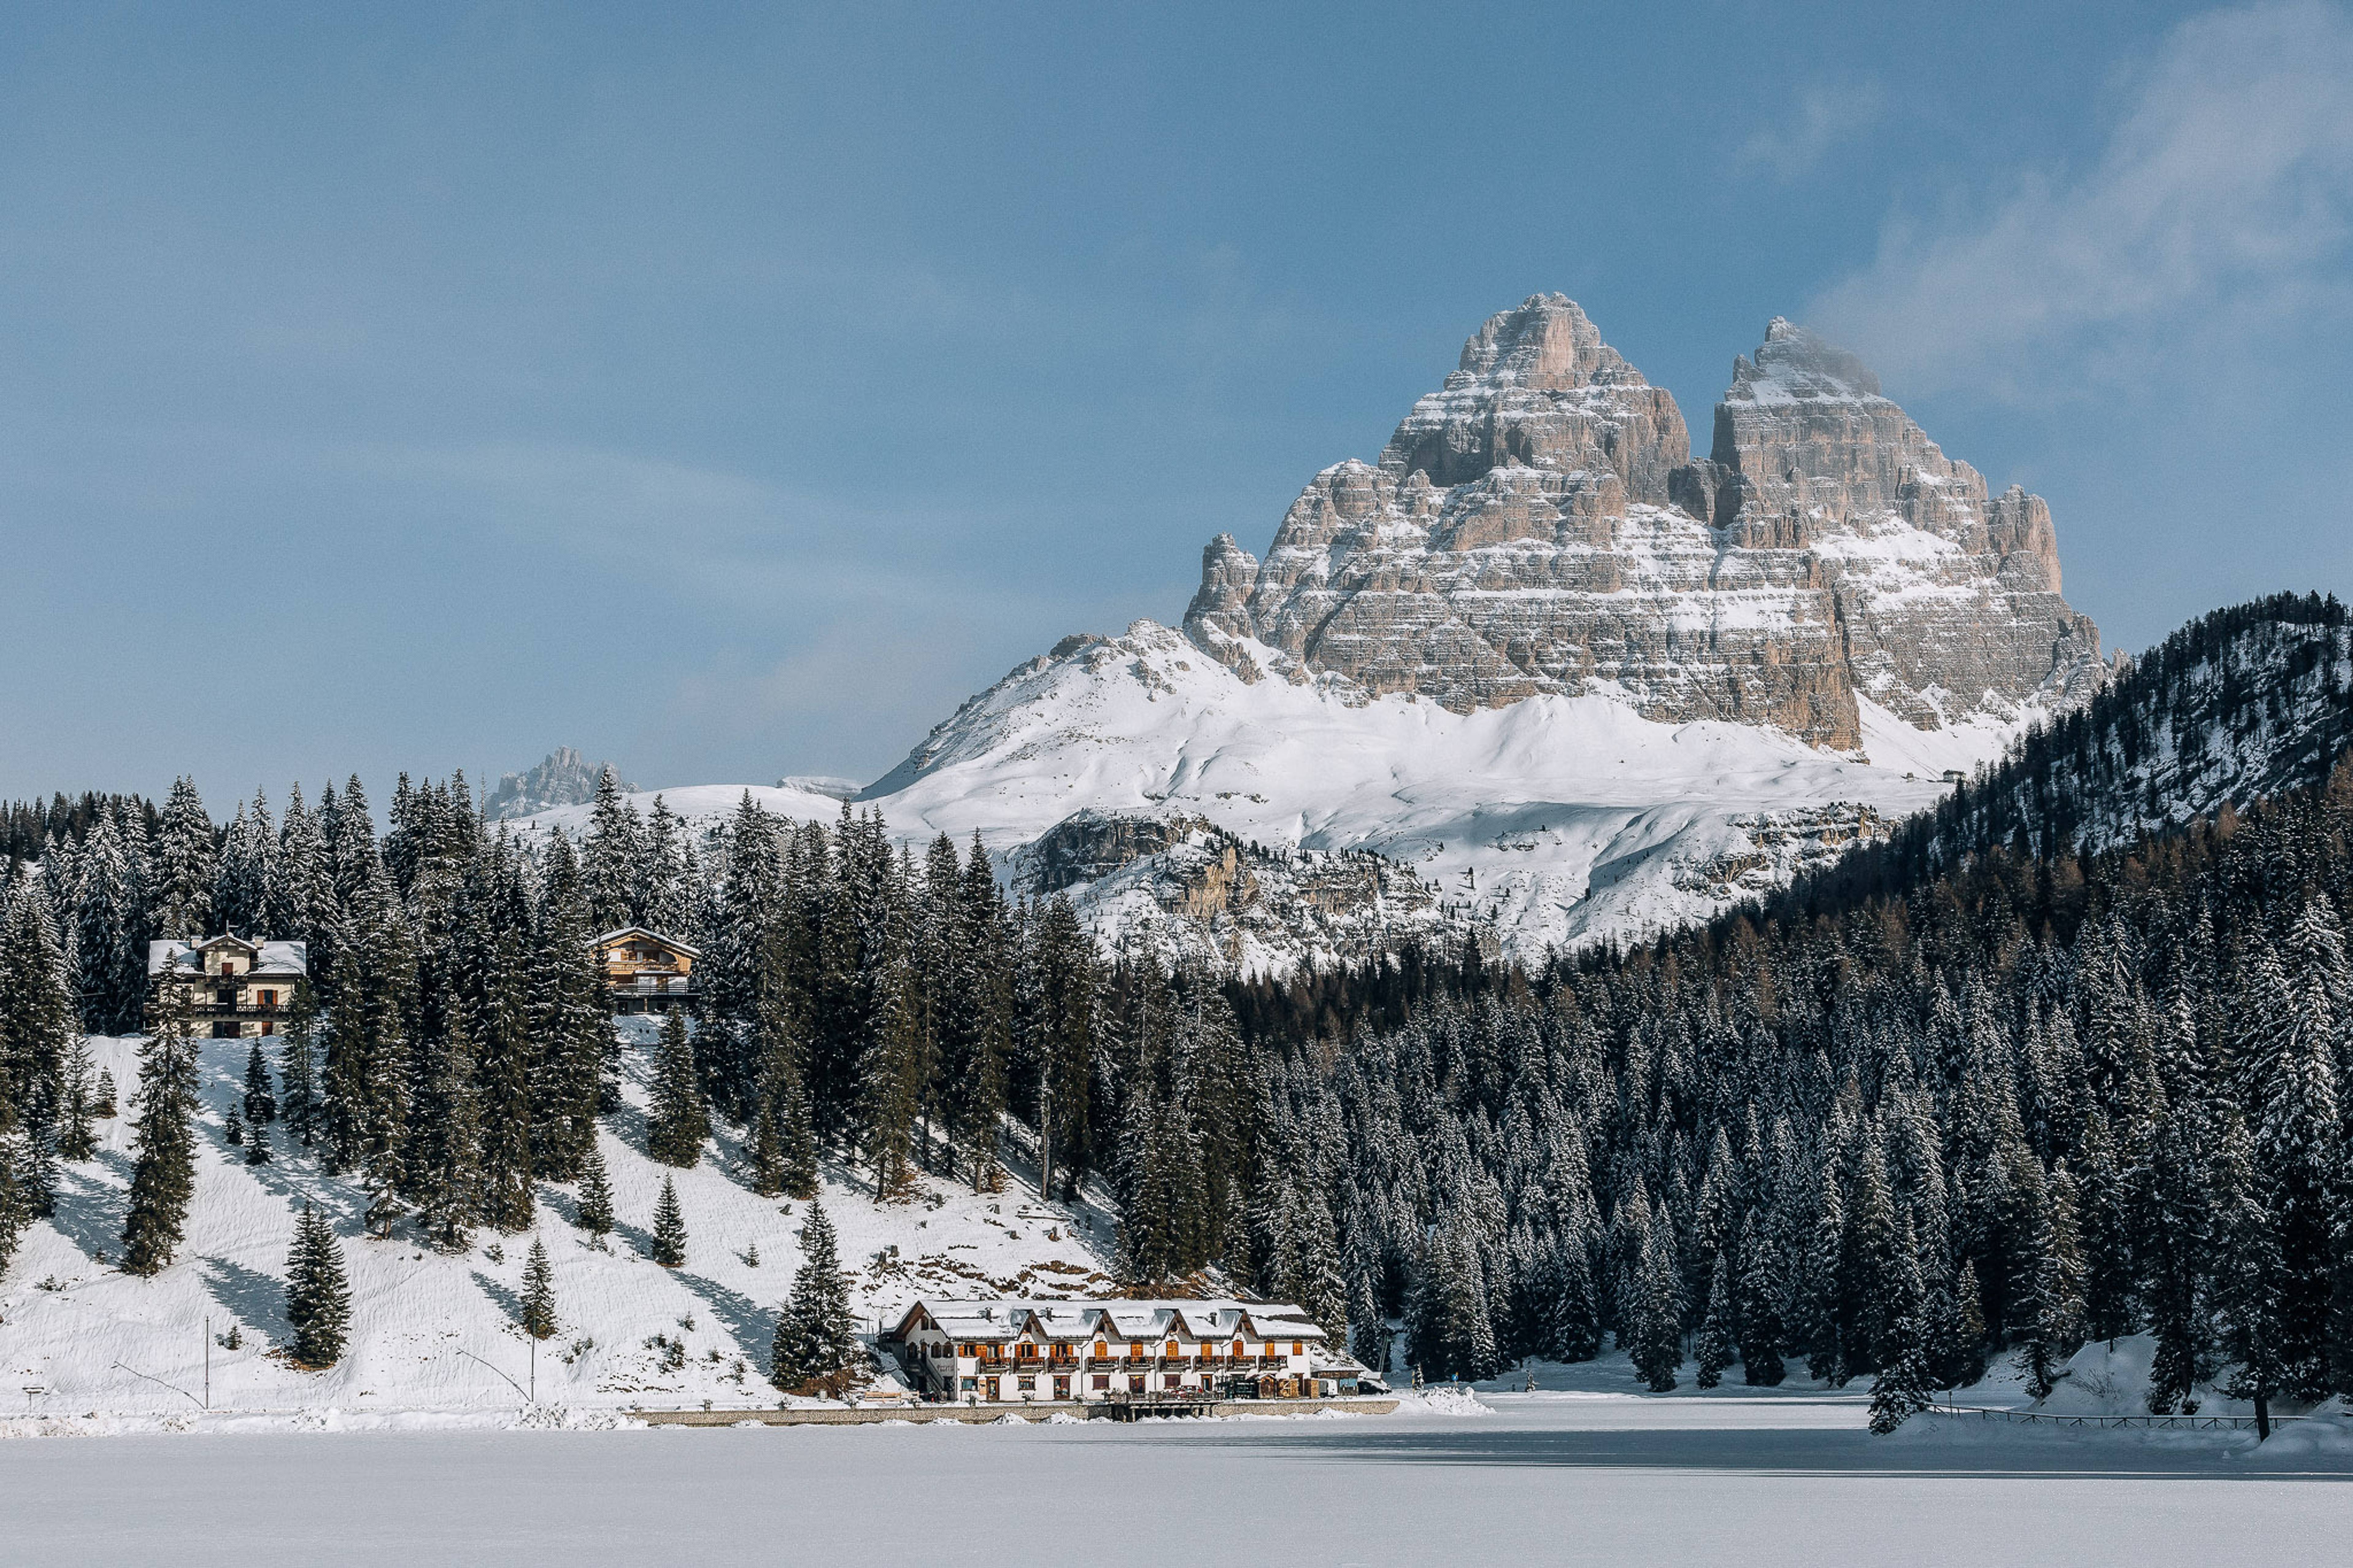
(272, 960)
(644, 934)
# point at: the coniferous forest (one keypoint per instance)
(1994, 1103)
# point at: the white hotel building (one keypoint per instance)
(1011, 1351)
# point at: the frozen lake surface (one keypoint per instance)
(1549, 1477)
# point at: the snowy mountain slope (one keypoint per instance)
(73, 1326)
(1538, 659)
(2244, 702)
(1560, 818)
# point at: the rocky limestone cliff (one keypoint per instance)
(1195, 889)
(561, 778)
(1538, 526)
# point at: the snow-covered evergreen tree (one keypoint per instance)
(539, 1319)
(816, 1340)
(669, 1228)
(318, 1293)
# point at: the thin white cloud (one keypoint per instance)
(1826, 115)
(2224, 192)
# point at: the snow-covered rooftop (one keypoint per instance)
(289, 960)
(1006, 1318)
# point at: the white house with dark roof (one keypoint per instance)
(1017, 1352)
(232, 986)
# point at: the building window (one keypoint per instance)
(1103, 1383)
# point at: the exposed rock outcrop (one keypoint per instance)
(1537, 526)
(562, 779)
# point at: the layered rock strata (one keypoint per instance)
(1537, 525)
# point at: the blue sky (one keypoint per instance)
(731, 391)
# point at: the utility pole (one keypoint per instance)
(208, 1364)
(535, 1371)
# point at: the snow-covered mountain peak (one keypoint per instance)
(1545, 668)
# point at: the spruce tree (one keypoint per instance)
(595, 1194)
(181, 901)
(538, 1292)
(2054, 1326)
(680, 1124)
(2247, 1279)
(444, 1157)
(297, 1070)
(571, 1031)
(38, 1028)
(163, 1177)
(1902, 1388)
(318, 1294)
(1716, 1346)
(1762, 1291)
(891, 1086)
(260, 1104)
(1657, 1338)
(501, 1039)
(816, 1337)
(75, 1139)
(669, 1228)
(106, 1108)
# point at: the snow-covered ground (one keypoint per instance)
(1544, 1479)
(434, 1336)
(1561, 818)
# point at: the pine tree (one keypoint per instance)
(595, 1194)
(572, 1032)
(163, 1177)
(37, 1025)
(2054, 1327)
(183, 873)
(890, 1094)
(502, 1073)
(1962, 1353)
(538, 1292)
(669, 1228)
(2105, 1228)
(260, 1104)
(1762, 1291)
(680, 1124)
(297, 1070)
(1716, 1346)
(105, 1109)
(75, 1139)
(816, 1339)
(444, 1158)
(609, 857)
(111, 982)
(318, 1294)
(2247, 1280)
(1657, 1345)
(1902, 1388)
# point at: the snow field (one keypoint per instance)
(433, 1333)
(1563, 819)
(1554, 1478)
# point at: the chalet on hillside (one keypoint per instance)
(1014, 1351)
(231, 986)
(646, 971)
